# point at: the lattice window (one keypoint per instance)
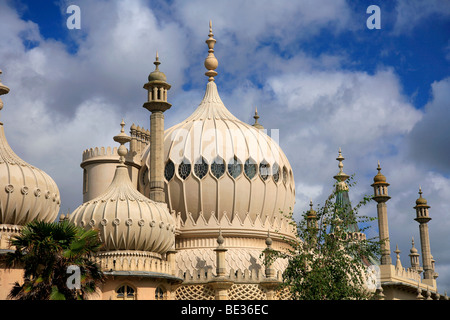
(201, 168)
(247, 292)
(194, 292)
(276, 172)
(169, 170)
(285, 175)
(283, 294)
(264, 170)
(184, 169)
(250, 168)
(234, 167)
(218, 168)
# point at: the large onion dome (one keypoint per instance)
(26, 192)
(222, 174)
(127, 220)
(216, 164)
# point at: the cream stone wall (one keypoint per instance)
(7, 279)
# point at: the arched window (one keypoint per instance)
(169, 170)
(218, 168)
(234, 167)
(125, 292)
(184, 169)
(285, 175)
(159, 294)
(144, 175)
(276, 172)
(250, 168)
(201, 168)
(264, 170)
(85, 181)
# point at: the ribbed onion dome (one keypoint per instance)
(127, 220)
(216, 164)
(26, 192)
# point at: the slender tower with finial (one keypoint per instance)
(422, 217)
(380, 189)
(157, 104)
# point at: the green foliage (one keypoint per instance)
(326, 261)
(45, 251)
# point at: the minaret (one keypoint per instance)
(157, 88)
(414, 257)
(380, 190)
(311, 223)
(422, 217)
(343, 198)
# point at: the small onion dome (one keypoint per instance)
(157, 75)
(421, 201)
(379, 176)
(311, 212)
(127, 220)
(413, 250)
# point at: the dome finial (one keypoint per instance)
(211, 62)
(256, 117)
(122, 138)
(157, 63)
(157, 75)
(3, 90)
(341, 176)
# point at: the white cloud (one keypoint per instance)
(410, 13)
(429, 139)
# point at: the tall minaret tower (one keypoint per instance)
(422, 217)
(380, 191)
(157, 88)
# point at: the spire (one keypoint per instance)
(122, 138)
(3, 90)
(256, 117)
(157, 75)
(423, 217)
(220, 256)
(341, 176)
(398, 264)
(211, 62)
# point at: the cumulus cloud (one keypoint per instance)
(410, 13)
(429, 141)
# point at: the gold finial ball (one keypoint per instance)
(211, 63)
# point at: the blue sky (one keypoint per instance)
(313, 69)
